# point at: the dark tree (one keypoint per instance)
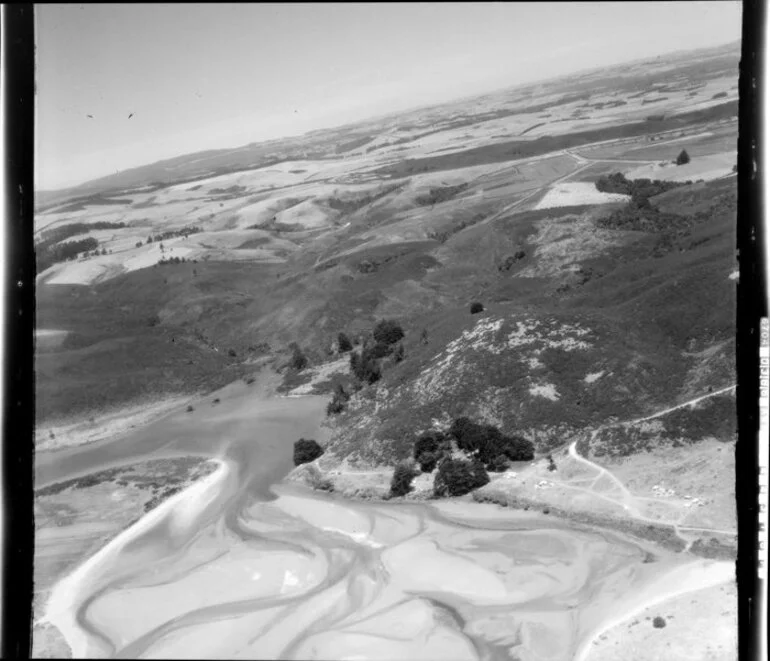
(551, 463)
(306, 450)
(429, 448)
(476, 307)
(401, 483)
(364, 367)
(298, 358)
(659, 622)
(388, 331)
(457, 477)
(683, 157)
(344, 343)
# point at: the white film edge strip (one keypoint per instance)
(764, 432)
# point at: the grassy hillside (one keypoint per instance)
(638, 311)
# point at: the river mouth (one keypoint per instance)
(238, 566)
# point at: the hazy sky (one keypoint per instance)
(201, 76)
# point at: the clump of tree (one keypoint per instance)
(476, 307)
(364, 364)
(343, 343)
(339, 401)
(683, 158)
(306, 450)
(430, 448)
(401, 482)
(638, 188)
(170, 234)
(298, 360)
(171, 260)
(387, 331)
(719, 95)
(488, 443)
(62, 252)
(456, 477)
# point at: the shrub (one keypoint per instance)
(298, 358)
(401, 483)
(457, 477)
(659, 622)
(343, 343)
(231, 353)
(190, 408)
(364, 367)
(216, 401)
(306, 450)
(476, 307)
(551, 463)
(387, 331)
(340, 398)
(683, 157)
(424, 336)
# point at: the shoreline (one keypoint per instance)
(661, 535)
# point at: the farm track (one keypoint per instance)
(629, 501)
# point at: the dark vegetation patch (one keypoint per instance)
(401, 482)
(94, 200)
(352, 144)
(257, 242)
(531, 128)
(440, 194)
(457, 477)
(50, 249)
(65, 251)
(350, 205)
(161, 477)
(228, 193)
(172, 234)
(444, 234)
(489, 444)
(306, 450)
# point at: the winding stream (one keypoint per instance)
(231, 568)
